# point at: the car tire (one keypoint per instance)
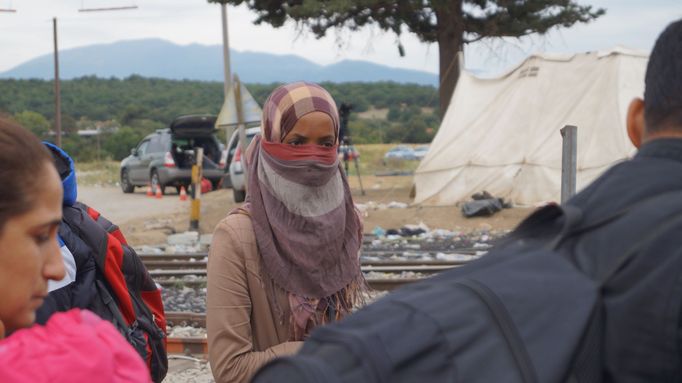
(156, 182)
(126, 186)
(227, 183)
(239, 195)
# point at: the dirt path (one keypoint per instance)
(120, 207)
(147, 221)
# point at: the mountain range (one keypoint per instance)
(164, 59)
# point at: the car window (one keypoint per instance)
(235, 142)
(142, 148)
(156, 145)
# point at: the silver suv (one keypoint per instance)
(165, 158)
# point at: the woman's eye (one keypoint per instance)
(45, 236)
(328, 144)
(42, 238)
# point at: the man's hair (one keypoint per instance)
(24, 160)
(663, 90)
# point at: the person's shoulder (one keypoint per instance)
(237, 227)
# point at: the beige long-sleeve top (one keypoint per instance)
(244, 331)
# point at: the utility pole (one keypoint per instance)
(227, 76)
(57, 95)
(226, 52)
(58, 111)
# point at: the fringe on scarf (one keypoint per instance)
(323, 311)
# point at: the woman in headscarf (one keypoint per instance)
(288, 259)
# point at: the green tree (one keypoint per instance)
(33, 121)
(367, 131)
(119, 143)
(450, 23)
(79, 148)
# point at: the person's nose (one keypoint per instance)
(54, 264)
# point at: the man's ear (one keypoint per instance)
(635, 122)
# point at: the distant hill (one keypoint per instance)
(163, 59)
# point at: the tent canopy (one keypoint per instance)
(502, 134)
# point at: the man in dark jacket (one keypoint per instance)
(105, 275)
(77, 287)
(641, 314)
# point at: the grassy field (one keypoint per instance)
(102, 173)
(106, 173)
(372, 160)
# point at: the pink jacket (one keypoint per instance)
(75, 346)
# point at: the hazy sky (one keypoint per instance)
(28, 32)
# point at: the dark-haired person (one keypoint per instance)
(287, 260)
(75, 346)
(640, 316)
(91, 247)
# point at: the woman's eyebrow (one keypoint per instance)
(46, 225)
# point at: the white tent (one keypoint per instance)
(502, 134)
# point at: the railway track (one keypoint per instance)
(186, 265)
(385, 272)
(151, 259)
(396, 273)
(379, 284)
(190, 270)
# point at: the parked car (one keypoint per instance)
(235, 174)
(164, 158)
(420, 151)
(400, 152)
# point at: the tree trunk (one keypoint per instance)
(450, 36)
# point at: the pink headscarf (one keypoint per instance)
(307, 229)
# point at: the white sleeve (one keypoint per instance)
(69, 265)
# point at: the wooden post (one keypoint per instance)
(569, 162)
(357, 170)
(241, 127)
(195, 212)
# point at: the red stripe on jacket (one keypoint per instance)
(114, 275)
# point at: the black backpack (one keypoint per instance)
(565, 298)
(119, 288)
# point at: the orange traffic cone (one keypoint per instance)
(149, 191)
(158, 192)
(183, 194)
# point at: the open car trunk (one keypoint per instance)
(193, 126)
(182, 150)
(190, 132)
